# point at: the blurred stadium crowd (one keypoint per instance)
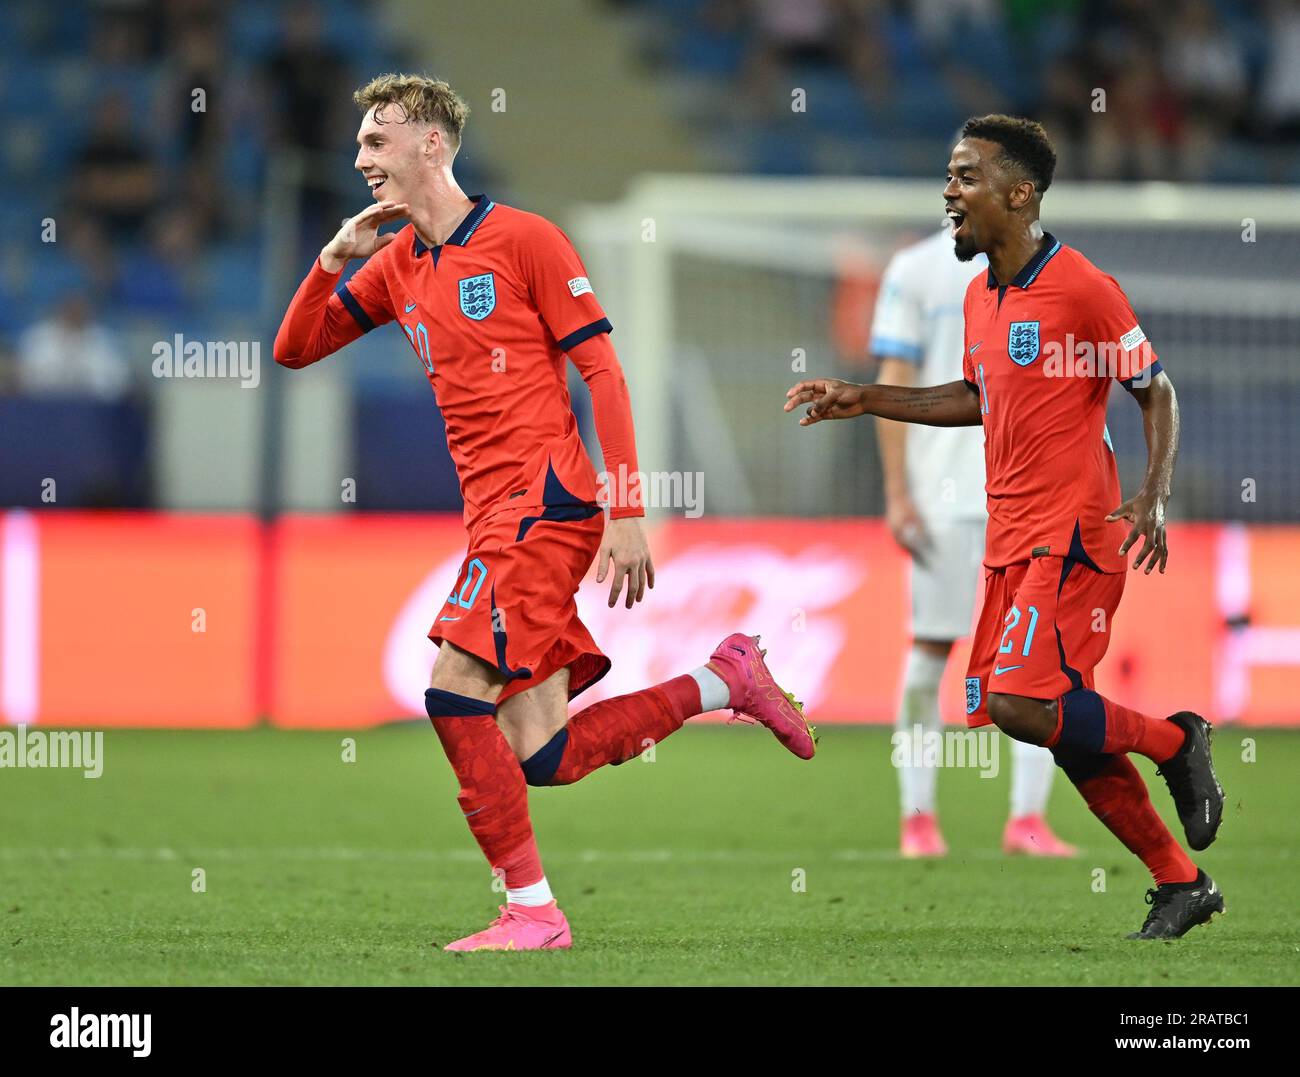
(1194, 89)
(140, 134)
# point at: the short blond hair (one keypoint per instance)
(420, 98)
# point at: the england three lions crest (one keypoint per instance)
(1022, 342)
(478, 296)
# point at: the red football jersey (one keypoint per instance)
(490, 314)
(1042, 352)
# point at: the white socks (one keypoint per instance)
(1032, 769)
(919, 706)
(714, 693)
(539, 893)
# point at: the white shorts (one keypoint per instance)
(946, 580)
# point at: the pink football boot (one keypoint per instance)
(519, 927)
(920, 837)
(1030, 834)
(756, 697)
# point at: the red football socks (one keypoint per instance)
(1086, 721)
(1129, 731)
(1118, 797)
(621, 728)
(493, 795)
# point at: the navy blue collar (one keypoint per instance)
(482, 207)
(1033, 267)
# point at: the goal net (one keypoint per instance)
(724, 290)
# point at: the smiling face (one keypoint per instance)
(394, 152)
(982, 198)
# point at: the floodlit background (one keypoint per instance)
(736, 173)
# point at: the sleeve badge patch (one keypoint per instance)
(1132, 338)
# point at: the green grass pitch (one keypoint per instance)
(678, 871)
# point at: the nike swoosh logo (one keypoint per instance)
(410, 307)
(449, 618)
(467, 814)
(975, 347)
(1006, 669)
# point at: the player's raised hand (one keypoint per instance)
(830, 398)
(625, 555)
(359, 237)
(1147, 511)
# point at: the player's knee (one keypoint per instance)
(1002, 709)
(541, 766)
(517, 736)
(1016, 716)
(1078, 765)
(459, 671)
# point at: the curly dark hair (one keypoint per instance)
(1025, 145)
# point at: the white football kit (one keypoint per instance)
(919, 319)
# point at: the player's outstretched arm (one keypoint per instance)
(954, 404)
(624, 552)
(312, 328)
(1146, 509)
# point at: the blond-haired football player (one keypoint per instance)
(492, 300)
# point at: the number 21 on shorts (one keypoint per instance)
(1012, 622)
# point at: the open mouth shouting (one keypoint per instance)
(957, 219)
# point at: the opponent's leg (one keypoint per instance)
(1027, 830)
(494, 800)
(918, 715)
(945, 575)
(1031, 779)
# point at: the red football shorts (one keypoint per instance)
(513, 601)
(1043, 627)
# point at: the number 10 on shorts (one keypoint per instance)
(475, 574)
